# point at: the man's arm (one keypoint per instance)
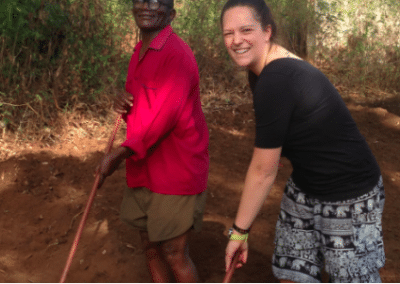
(155, 112)
(157, 109)
(111, 161)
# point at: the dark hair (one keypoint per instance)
(170, 3)
(260, 9)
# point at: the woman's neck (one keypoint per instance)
(264, 59)
(272, 52)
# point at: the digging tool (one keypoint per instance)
(231, 269)
(88, 205)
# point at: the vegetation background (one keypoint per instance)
(63, 61)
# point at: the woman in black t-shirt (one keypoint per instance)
(331, 210)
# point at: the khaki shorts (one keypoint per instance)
(163, 216)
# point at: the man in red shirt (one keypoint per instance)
(166, 146)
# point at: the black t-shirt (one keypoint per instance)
(298, 109)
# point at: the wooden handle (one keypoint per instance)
(229, 273)
(88, 205)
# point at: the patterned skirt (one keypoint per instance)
(344, 236)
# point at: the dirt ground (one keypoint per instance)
(44, 189)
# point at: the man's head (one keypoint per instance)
(153, 15)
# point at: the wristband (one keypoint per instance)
(234, 237)
(242, 231)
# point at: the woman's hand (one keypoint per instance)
(233, 247)
(123, 103)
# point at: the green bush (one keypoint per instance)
(69, 50)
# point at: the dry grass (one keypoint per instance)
(81, 119)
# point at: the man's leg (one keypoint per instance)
(176, 253)
(158, 267)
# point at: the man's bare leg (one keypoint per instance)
(158, 267)
(176, 253)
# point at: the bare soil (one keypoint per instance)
(44, 190)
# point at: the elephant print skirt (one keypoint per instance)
(344, 236)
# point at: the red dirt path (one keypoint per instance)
(43, 191)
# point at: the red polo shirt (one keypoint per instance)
(166, 127)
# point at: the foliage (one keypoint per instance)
(364, 46)
(198, 23)
(55, 54)
(63, 55)
(296, 20)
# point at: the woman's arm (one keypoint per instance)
(260, 177)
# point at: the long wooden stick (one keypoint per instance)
(88, 205)
(229, 273)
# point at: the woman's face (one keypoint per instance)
(245, 39)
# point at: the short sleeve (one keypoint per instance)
(273, 106)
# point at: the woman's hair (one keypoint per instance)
(260, 10)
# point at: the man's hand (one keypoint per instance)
(110, 163)
(123, 102)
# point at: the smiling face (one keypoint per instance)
(149, 20)
(245, 39)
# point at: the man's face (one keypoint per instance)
(152, 20)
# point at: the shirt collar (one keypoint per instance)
(159, 41)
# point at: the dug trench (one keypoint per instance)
(44, 189)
